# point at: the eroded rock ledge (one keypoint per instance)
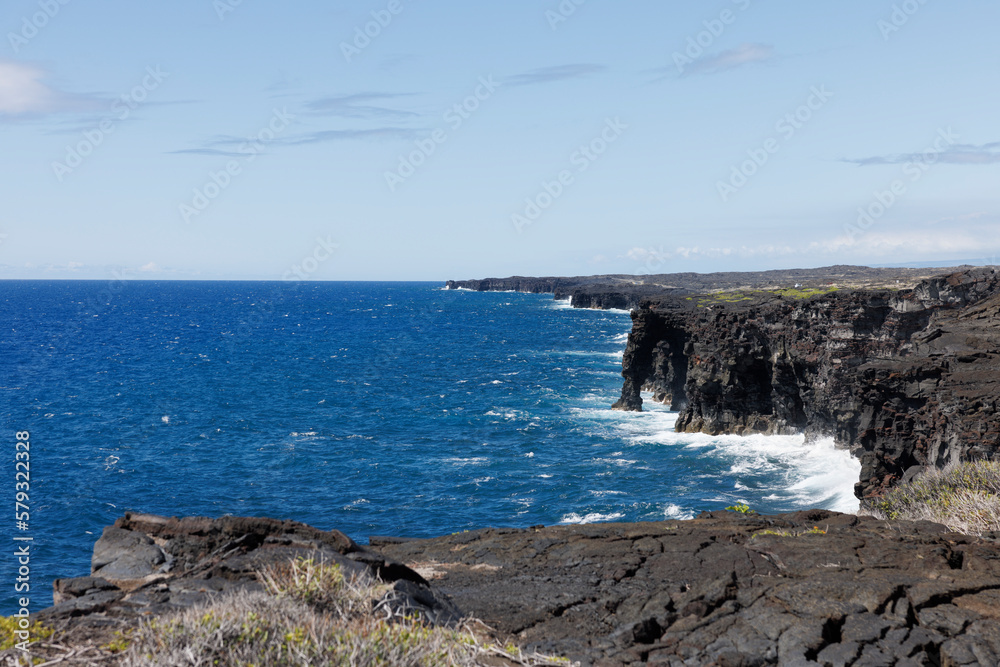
(810, 588)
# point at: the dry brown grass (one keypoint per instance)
(964, 497)
(311, 614)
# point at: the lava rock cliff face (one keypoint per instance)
(906, 379)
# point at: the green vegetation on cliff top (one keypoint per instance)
(737, 296)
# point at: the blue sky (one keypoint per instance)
(263, 140)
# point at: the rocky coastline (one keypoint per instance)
(727, 588)
(625, 292)
(898, 366)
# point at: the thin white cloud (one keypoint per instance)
(766, 250)
(896, 244)
(957, 154)
(358, 105)
(959, 218)
(555, 73)
(744, 54)
(23, 92)
(660, 255)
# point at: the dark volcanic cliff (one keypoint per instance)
(628, 291)
(904, 378)
(600, 292)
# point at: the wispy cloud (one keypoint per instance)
(221, 145)
(386, 133)
(959, 218)
(555, 73)
(228, 146)
(24, 93)
(696, 252)
(877, 246)
(283, 84)
(957, 154)
(395, 62)
(208, 151)
(358, 105)
(892, 244)
(112, 110)
(744, 54)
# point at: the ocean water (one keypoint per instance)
(371, 408)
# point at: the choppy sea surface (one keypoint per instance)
(372, 408)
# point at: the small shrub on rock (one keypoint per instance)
(964, 497)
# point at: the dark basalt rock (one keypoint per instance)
(808, 588)
(906, 379)
(126, 555)
(150, 565)
(729, 589)
(625, 292)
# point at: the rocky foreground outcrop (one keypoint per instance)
(811, 588)
(146, 565)
(726, 589)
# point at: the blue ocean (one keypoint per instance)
(372, 408)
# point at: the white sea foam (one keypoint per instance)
(593, 517)
(831, 474)
(473, 461)
(624, 463)
(508, 414)
(786, 470)
(676, 512)
(799, 474)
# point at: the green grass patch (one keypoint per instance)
(739, 296)
(803, 293)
